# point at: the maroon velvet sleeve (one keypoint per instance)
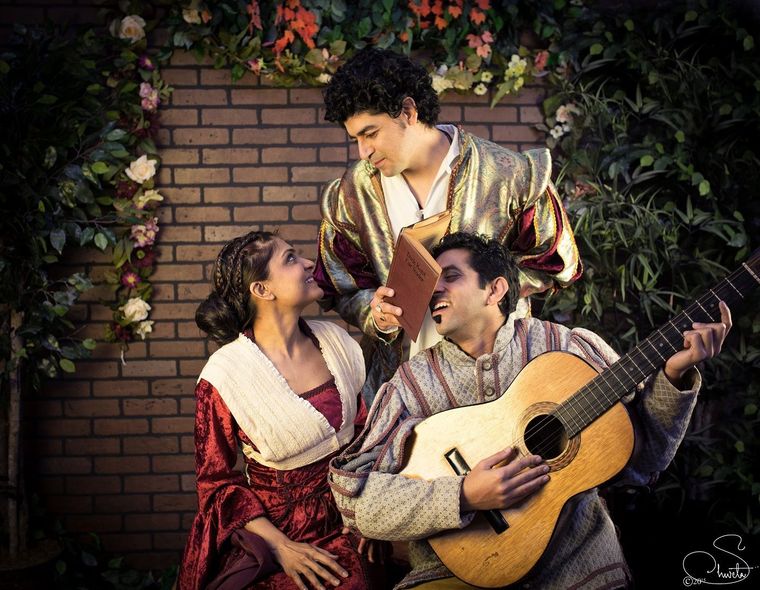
(225, 502)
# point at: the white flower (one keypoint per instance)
(141, 170)
(135, 309)
(132, 28)
(441, 84)
(486, 76)
(146, 197)
(324, 78)
(566, 113)
(191, 16)
(442, 69)
(516, 67)
(518, 84)
(143, 328)
(557, 131)
(480, 89)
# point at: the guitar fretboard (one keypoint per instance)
(605, 390)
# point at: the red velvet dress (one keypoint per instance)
(298, 501)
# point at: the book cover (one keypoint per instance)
(412, 276)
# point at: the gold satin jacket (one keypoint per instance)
(492, 190)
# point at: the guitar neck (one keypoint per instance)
(605, 390)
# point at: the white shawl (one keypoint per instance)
(285, 428)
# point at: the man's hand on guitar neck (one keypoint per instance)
(699, 344)
(487, 486)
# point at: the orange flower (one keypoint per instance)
(483, 51)
(437, 8)
(255, 13)
(477, 17)
(483, 4)
(440, 23)
(455, 11)
(287, 38)
(403, 36)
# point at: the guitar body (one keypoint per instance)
(477, 554)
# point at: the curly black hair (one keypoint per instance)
(377, 81)
(490, 259)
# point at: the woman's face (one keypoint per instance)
(291, 278)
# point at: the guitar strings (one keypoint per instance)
(728, 290)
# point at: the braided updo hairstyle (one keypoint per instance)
(229, 308)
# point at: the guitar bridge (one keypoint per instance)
(494, 517)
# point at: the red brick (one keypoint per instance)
(483, 131)
(187, 444)
(515, 133)
(176, 310)
(231, 156)
(181, 57)
(151, 522)
(229, 194)
(93, 484)
(121, 465)
(180, 233)
(174, 117)
(259, 136)
(93, 446)
(154, 560)
(122, 503)
(68, 504)
(450, 114)
(190, 329)
(171, 387)
(278, 155)
(201, 176)
(223, 77)
(306, 213)
(164, 330)
(306, 96)
(288, 116)
(260, 174)
(260, 213)
(150, 483)
(317, 173)
(150, 368)
(289, 193)
(48, 447)
(150, 445)
(64, 465)
(178, 272)
(224, 233)
(179, 76)
(120, 388)
(194, 253)
(48, 409)
(174, 541)
(172, 425)
(197, 96)
(259, 96)
(181, 195)
(48, 485)
(60, 427)
(174, 464)
(179, 156)
(498, 114)
(201, 136)
(230, 116)
(191, 368)
(334, 155)
(68, 388)
(150, 407)
(121, 426)
(91, 408)
(531, 115)
(127, 542)
(202, 214)
(293, 232)
(318, 135)
(163, 138)
(175, 350)
(106, 523)
(186, 406)
(175, 502)
(97, 368)
(113, 350)
(188, 483)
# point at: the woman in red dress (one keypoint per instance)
(287, 392)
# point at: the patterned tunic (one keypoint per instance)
(584, 552)
(492, 191)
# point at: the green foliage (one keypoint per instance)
(72, 123)
(654, 119)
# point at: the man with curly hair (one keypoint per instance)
(410, 169)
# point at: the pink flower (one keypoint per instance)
(145, 235)
(149, 95)
(487, 37)
(474, 41)
(539, 61)
(483, 51)
(130, 279)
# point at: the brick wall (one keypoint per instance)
(111, 448)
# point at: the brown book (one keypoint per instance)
(414, 272)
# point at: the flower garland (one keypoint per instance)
(136, 199)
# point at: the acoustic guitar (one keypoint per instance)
(576, 423)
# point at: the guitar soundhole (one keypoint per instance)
(545, 436)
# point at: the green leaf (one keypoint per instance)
(101, 241)
(116, 135)
(60, 567)
(596, 49)
(750, 409)
(58, 239)
(690, 16)
(628, 25)
(47, 99)
(680, 136)
(646, 160)
(704, 188)
(739, 446)
(69, 367)
(99, 167)
(748, 43)
(89, 343)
